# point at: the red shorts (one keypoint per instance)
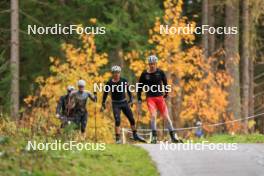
(157, 103)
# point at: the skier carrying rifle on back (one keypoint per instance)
(61, 109)
(120, 103)
(77, 105)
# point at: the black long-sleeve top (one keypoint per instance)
(157, 78)
(117, 95)
(62, 105)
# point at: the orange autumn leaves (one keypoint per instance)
(193, 77)
(81, 62)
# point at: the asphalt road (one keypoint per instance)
(243, 160)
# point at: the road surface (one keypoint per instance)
(245, 160)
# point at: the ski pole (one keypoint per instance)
(95, 125)
(163, 128)
(139, 113)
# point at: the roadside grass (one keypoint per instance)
(125, 160)
(227, 138)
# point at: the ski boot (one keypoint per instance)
(173, 139)
(154, 138)
(118, 140)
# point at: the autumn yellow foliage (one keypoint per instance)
(194, 78)
(196, 81)
(81, 63)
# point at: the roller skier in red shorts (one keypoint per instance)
(156, 87)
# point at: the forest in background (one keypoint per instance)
(128, 36)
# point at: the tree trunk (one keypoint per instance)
(205, 22)
(232, 58)
(251, 104)
(211, 22)
(251, 87)
(251, 69)
(245, 61)
(176, 104)
(169, 99)
(14, 59)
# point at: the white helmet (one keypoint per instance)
(70, 88)
(152, 59)
(81, 83)
(116, 68)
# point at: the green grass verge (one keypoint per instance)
(125, 160)
(226, 138)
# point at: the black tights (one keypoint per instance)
(124, 107)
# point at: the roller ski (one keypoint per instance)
(138, 138)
